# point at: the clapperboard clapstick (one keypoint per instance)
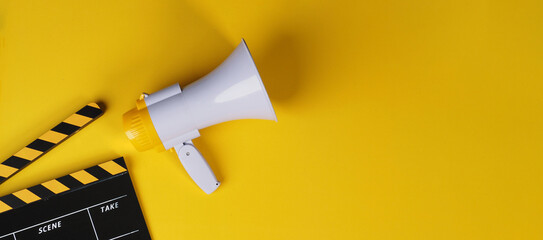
(49, 140)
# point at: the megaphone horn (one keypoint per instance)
(171, 117)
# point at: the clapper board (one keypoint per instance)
(97, 203)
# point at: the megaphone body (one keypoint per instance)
(171, 117)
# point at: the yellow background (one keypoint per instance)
(397, 119)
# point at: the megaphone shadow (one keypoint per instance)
(279, 68)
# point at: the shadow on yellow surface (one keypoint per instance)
(280, 68)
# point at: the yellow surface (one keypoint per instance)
(397, 119)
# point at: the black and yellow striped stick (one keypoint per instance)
(49, 140)
(69, 182)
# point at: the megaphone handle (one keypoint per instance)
(197, 167)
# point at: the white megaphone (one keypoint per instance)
(171, 117)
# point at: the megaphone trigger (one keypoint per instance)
(197, 167)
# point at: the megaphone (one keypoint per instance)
(171, 117)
